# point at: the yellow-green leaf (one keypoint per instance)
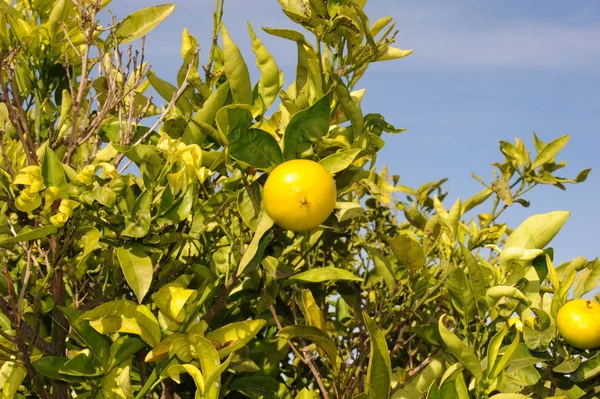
(379, 371)
(235, 335)
(269, 83)
(140, 22)
(137, 268)
(236, 71)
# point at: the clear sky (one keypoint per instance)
(481, 71)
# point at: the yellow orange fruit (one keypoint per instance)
(299, 194)
(578, 322)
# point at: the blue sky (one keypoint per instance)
(481, 71)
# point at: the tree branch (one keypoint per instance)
(46, 347)
(305, 356)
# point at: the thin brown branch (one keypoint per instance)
(15, 120)
(23, 290)
(81, 91)
(413, 372)
(221, 300)
(165, 113)
(22, 118)
(305, 356)
(26, 330)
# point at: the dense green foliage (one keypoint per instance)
(173, 281)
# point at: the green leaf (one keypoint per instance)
(123, 348)
(235, 335)
(383, 267)
(29, 234)
(494, 294)
(87, 336)
(139, 225)
(48, 366)
(8, 9)
(143, 155)
(587, 280)
(351, 109)
(137, 268)
(236, 71)
(206, 114)
(305, 128)
(379, 371)
(538, 230)
(477, 199)
(80, 366)
(392, 53)
(304, 394)
(253, 254)
(568, 365)
(501, 364)
(476, 280)
(462, 296)
(549, 151)
(348, 211)
(379, 25)
(339, 161)
(167, 91)
(288, 34)
(454, 387)
(493, 349)
(255, 147)
(175, 370)
(408, 251)
(13, 375)
(343, 311)
(54, 173)
(583, 175)
(538, 340)
(209, 362)
(269, 83)
(276, 268)
(460, 350)
(322, 274)
(256, 387)
(234, 120)
(171, 300)
(587, 370)
(126, 317)
(140, 22)
(314, 334)
(509, 396)
(89, 240)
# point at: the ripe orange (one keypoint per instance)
(299, 194)
(578, 322)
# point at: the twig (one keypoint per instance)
(25, 283)
(305, 357)
(415, 371)
(176, 97)
(217, 18)
(62, 26)
(15, 120)
(166, 112)
(82, 85)
(221, 300)
(26, 330)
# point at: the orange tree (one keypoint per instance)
(173, 281)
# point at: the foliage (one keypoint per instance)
(171, 280)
